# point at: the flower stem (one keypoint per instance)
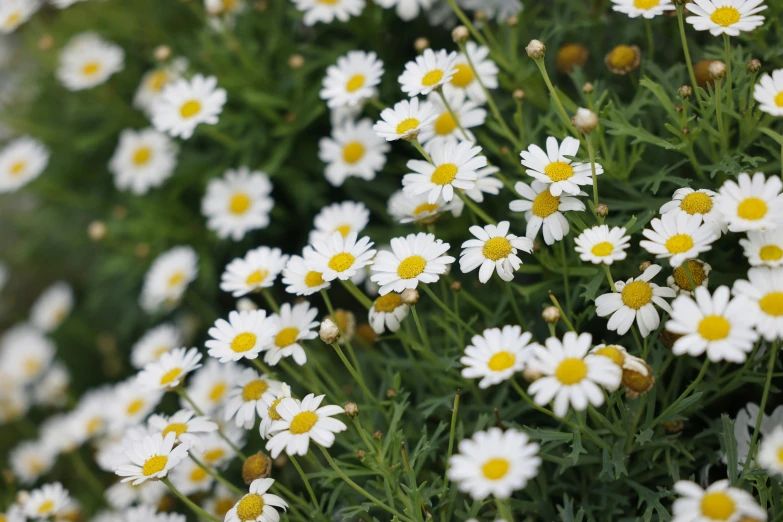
(561, 110)
(729, 81)
(358, 294)
(475, 208)
(217, 476)
(87, 475)
(608, 273)
(591, 154)
(453, 115)
(724, 139)
(650, 39)
(270, 300)
(192, 505)
(263, 368)
(563, 315)
(685, 394)
(688, 62)
(452, 429)
(306, 481)
(417, 145)
(446, 309)
(357, 376)
(504, 510)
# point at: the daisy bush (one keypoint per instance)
(460, 260)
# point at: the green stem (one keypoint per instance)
(563, 315)
(685, 394)
(417, 145)
(422, 332)
(608, 273)
(591, 154)
(729, 80)
(270, 300)
(724, 139)
(87, 475)
(504, 510)
(561, 110)
(309, 488)
(217, 476)
(453, 115)
(446, 309)
(358, 294)
(687, 267)
(182, 393)
(192, 505)
(356, 376)
(452, 429)
(475, 208)
(507, 289)
(263, 368)
(650, 39)
(688, 62)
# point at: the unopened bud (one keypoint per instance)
(162, 53)
(644, 266)
(412, 135)
(119, 212)
(504, 150)
(328, 332)
(456, 286)
(674, 426)
(686, 131)
(717, 70)
(391, 392)
(512, 21)
(246, 304)
(365, 332)
(351, 409)
(536, 49)
(638, 383)
(296, 61)
(255, 467)
(280, 461)
(97, 230)
(46, 42)
(551, 314)
(531, 374)
(601, 210)
(585, 120)
(378, 435)
(480, 15)
(410, 296)
(686, 91)
(22, 497)
(518, 95)
(360, 454)
(460, 34)
(754, 66)
(679, 107)
(420, 44)
(588, 88)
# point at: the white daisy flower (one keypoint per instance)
(427, 72)
(602, 245)
(751, 203)
(244, 398)
(555, 168)
(764, 248)
(52, 307)
(257, 505)
(697, 202)
(678, 237)
(237, 203)
(130, 404)
(486, 182)
(500, 10)
(52, 389)
(571, 375)
(302, 421)
(721, 327)
(542, 209)
(184, 425)
(494, 250)
(190, 478)
(494, 462)
(14, 404)
(635, 299)
(269, 400)
(496, 355)
(405, 120)
(25, 353)
(407, 208)
(46, 501)
(300, 280)
(154, 343)
(466, 78)
(244, 335)
(58, 435)
(338, 256)
(258, 269)
(152, 458)
(720, 501)
(352, 80)
(91, 416)
(224, 7)
(210, 385)
(771, 452)
(63, 4)
(14, 13)
(445, 128)
(387, 311)
(21, 161)
(291, 326)
(184, 104)
(406, 9)
(143, 159)
(88, 60)
(647, 8)
(318, 11)
(726, 16)
(170, 370)
(454, 167)
(153, 82)
(217, 453)
(167, 279)
(221, 501)
(345, 217)
(414, 258)
(679, 281)
(353, 150)
(769, 93)
(31, 460)
(620, 356)
(763, 292)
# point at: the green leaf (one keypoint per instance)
(729, 445)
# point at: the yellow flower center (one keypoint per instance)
(571, 371)
(257, 277)
(696, 203)
(93, 425)
(239, 204)
(425, 207)
(388, 303)
(190, 108)
(230, 5)
(17, 168)
(622, 56)
(770, 253)
(432, 77)
(407, 125)
(752, 209)
(243, 342)
(252, 505)
(559, 170)
(303, 422)
(176, 278)
(353, 152)
(612, 352)
(341, 262)
(32, 366)
(254, 390)
(218, 391)
(679, 243)
(725, 16)
(496, 248)
(142, 156)
(602, 249)
(463, 76)
(46, 506)
(411, 267)
(718, 505)
(91, 68)
(714, 327)
(154, 465)
(272, 411)
(501, 361)
(645, 4)
(355, 83)
(772, 303)
(697, 273)
(344, 230)
(286, 337)
(445, 124)
(135, 406)
(13, 19)
(222, 505)
(198, 474)
(214, 454)
(170, 376)
(779, 99)
(158, 80)
(178, 428)
(780, 455)
(328, 2)
(444, 174)
(636, 294)
(545, 204)
(495, 469)
(314, 279)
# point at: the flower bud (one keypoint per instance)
(754, 66)
(588, 88)
(668, 338)
(22, 497)
(46, 42)
(391, 392)
(420, 44)
(686, 131)
(361, 454)
(97, 230)
(535, 49)
(602, 210)
(679, 107)
(531, 374)
(623, 59)
(351, 409)
(644, 266)
(512, 21)
(255, 467)
(518, 95)
(570, 56)
(456, 286)
(637, 383)
(365, 332)
(378, 435)
(328, 332)
(717, 70)
(162, 53)
(480, 15)
(296, 61)
(551, 314)
(674, 426)
(245, 304)
(261, 6)
(460, 34)
(585, 120)
(686, 91)
(410, 296)
(412, 135)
